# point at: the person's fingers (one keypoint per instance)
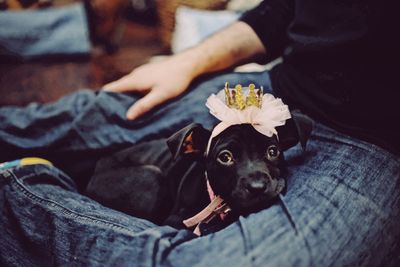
(126, 83)
(144, 105)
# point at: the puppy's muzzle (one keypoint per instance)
(257, 187)
(262, 184)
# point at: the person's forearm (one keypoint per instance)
(234, 45)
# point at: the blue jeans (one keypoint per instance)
(50, 31)
(341, 207)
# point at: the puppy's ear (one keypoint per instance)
(191, 139)
(297, 129)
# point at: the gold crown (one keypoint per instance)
(236, 98)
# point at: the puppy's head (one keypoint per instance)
(243, 166)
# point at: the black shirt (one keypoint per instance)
(340, 62)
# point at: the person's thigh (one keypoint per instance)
(341, 209)
(45, 222)
(86, 125)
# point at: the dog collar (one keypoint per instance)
(217, 207)
(247, 105)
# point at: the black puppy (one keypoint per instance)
(164, 180)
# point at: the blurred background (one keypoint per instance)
(97, 41)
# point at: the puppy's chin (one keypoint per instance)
(251, 206)
(243, 203)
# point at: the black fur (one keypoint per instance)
(164, 180)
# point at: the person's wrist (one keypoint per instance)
(190, 64)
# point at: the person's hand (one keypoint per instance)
(159, 81)
(164, 80)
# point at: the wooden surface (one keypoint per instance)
(47, 80)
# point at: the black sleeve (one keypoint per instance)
(270, 20)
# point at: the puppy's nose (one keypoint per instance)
(257, 187)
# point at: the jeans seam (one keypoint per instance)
(298, 231)
(70, 213)
(246, 240)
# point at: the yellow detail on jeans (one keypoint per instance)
(32, 161)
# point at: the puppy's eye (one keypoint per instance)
(225, 157)
(272, 152)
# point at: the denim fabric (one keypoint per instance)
(50, 31)
(89, 121)
(341, 207)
